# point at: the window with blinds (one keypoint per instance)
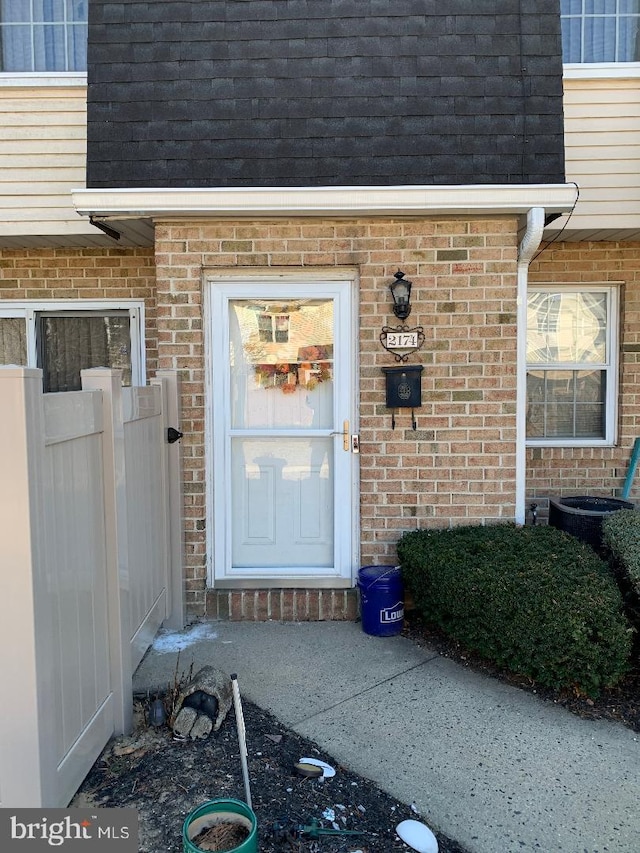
(43, 35)
(600, 30)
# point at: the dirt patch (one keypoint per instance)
(223, 836)
(165, 780)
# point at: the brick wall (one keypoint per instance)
(459, 464)
(84, 274)
(282, 605)
(594, 470)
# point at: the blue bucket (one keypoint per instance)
(381, 600)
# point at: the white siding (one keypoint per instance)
(602, 135)
(43, 135)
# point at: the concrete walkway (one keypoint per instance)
(492, 767)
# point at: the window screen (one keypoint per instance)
(69, 343)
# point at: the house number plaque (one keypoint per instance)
(401, 342)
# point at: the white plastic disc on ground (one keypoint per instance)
(418, 836)
(327, 769)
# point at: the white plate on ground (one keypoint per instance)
(417, 835)
(327, 769)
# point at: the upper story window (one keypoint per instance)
(600, 30)
(43, 35)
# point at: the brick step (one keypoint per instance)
(282, 605)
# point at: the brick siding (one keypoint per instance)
(458, 466)
(84, 274)
(593, 470)
(282, 605)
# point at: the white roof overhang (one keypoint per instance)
(467, 200)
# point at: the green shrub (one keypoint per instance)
(532, 599)
(621, 534)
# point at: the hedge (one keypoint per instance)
(621, 534)
(533, 599)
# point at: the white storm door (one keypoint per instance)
(282, 419)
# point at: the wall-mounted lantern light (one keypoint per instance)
(401, 292)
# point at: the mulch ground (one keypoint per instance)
(165, 779)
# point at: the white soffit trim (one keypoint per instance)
(321, 201)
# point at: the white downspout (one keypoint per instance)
(528, 246)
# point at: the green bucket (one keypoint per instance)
(221, 811)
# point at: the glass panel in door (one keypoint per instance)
(281, 384)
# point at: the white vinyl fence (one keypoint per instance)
(90, 567)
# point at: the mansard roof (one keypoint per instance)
(259, 93)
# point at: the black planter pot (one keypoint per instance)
(582, 516)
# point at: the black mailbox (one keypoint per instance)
(403, 386)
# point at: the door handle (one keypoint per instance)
(344, 432)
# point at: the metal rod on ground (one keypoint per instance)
(241, 736)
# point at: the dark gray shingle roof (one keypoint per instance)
(324, 92)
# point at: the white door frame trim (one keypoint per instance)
(350, 336)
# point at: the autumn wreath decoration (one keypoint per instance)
(313, 367)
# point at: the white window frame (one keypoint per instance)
(42, 79)
(611, 365)
(601, 71)
(31, 309)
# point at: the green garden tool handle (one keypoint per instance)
(283, 831)
(316, 831)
